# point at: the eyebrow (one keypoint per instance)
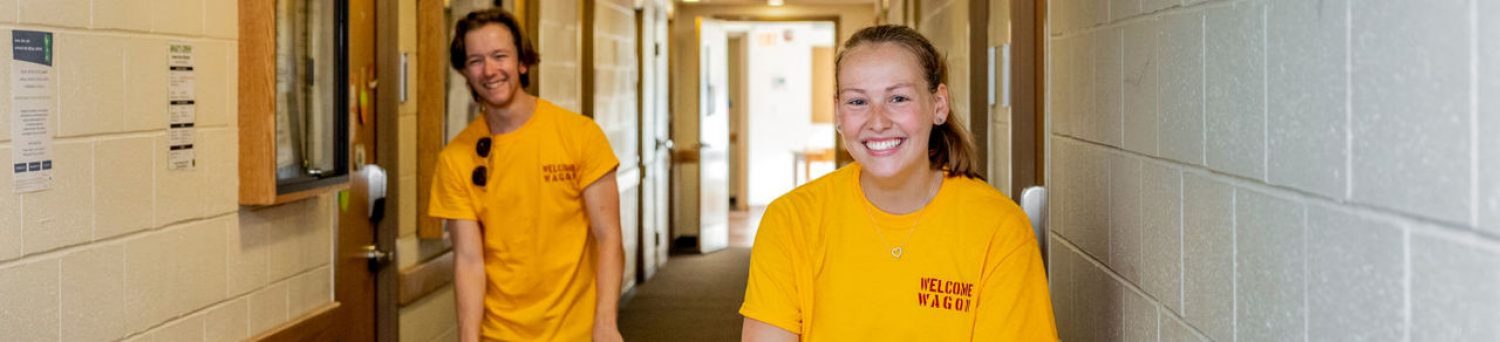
(898, 86)
(890, 88)
(486, 53)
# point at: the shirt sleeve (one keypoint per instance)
(1014, 303)
(450, 193)
(597, 158)
(772, 292)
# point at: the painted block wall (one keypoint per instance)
(558, 42)
(121, 247)
(614, 93)
(1275, 169)
(431, 318)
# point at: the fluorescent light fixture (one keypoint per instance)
(774, 2)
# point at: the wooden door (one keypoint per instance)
(354, 280)
(356, 314)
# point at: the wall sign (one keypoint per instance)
(32, 100)
(182, 112)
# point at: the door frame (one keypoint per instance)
(841, 156)
(688, 154)
(387, 102)
(654, 142)
(1029, 107)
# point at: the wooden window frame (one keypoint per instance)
(257, 109)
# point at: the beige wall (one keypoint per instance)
(1271, 170)
(431, 318)
(558, 43)
(120, 246)
(615, 100)
(410, 249)
(946, 24)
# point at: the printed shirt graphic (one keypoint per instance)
(971, 270)
(539, 259)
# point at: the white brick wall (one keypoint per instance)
(121, 247)
(1273, 170)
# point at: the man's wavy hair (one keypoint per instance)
(458, 52)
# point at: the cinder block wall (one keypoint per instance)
(558, 42)
(121, 247)
(431, 318)
(614, 94)
(1272, 170)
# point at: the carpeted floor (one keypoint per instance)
(693, 298)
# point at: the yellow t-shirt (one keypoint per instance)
(539, 260)
(970, 271)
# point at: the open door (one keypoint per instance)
(651, 32)
(713, 137)
(357, 286)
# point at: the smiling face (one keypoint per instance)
(491, 64)
(886, 110)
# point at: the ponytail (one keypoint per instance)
(951, 149)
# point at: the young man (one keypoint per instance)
(529, 194)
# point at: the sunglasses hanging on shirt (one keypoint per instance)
(481, 173)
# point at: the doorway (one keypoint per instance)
(780, 80)
(761, 132)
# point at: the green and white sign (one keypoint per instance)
(32, 98)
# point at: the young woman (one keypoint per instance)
(528, 190)
(908, 243)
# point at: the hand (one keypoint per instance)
(607, 334)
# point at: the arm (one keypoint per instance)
(1014, 302)
(772, 309)
(602, 202)
(468, 276)
(757, 331)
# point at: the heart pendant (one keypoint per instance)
(896, 252)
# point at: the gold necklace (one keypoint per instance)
(898, 250)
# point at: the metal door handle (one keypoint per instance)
(377, 257)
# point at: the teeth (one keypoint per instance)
(882, 145)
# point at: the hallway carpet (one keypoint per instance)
(693, 298)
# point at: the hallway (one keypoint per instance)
(695, 297)
(1215, 170)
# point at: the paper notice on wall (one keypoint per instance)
(32, 100)
(180, 120)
